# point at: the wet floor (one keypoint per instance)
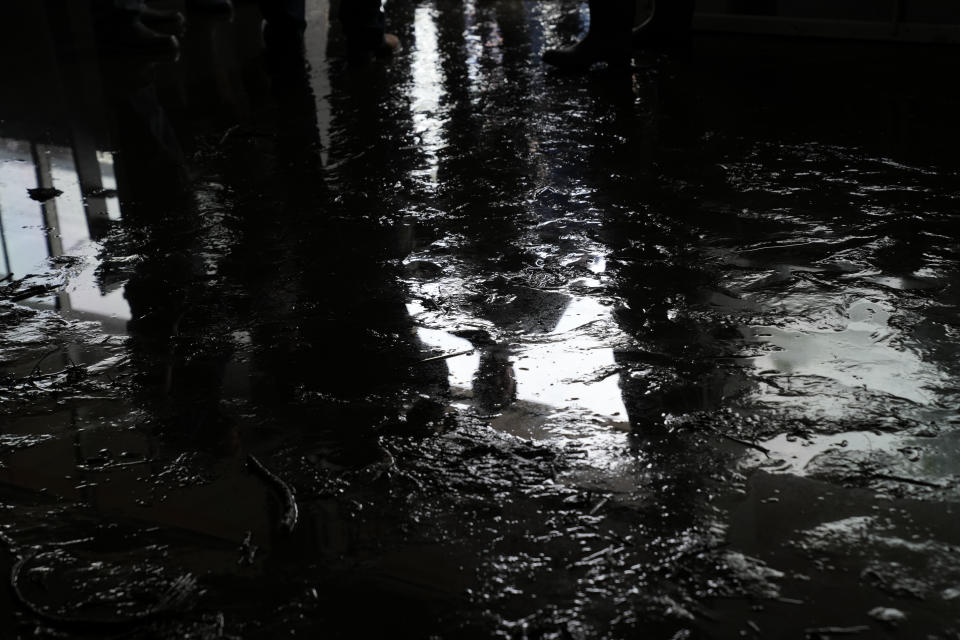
(455, 346)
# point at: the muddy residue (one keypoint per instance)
(452, 346)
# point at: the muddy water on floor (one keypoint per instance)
(539, 355)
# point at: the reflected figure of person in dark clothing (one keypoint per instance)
(611, 37)
(363, 24)
(135, 25)
(131, 25)
(182, 351)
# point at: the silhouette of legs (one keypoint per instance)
(121, 26)
(363, 22)
(608, 39)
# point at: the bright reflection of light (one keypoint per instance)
(74, 233)
(82, 294)
(473, 43)
(26, 236)
(569, 371)
(482, 43)
(571, 368)
(20, 216)
(859, 355)
(85, 296)
(316, 41)
(108, 178)
(461, 368)
(796, 453)
(427, 90)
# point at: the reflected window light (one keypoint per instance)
(108, 178)
(427, 90)
(113, 208)
(5, 271)
(72, 222)
(573, 375)
(482, 46)
(107, 175)
(564, 373)
(473, 44)
(859, 350)
(316, 42)
(21, 218)
(31, 233)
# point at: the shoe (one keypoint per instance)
(608, 39)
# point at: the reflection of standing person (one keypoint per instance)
(495, 384)
(607, 40)
(363, 23)
(132, 24)
(610, 40)
(124, 24)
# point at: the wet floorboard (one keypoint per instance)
(454, 346)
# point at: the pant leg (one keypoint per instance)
(284, 13)
(363, 23)
(610, 24)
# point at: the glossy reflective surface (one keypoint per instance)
(664, 354)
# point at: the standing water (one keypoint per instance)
(456, 346)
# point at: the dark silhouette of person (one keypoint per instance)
(363, 24)
(134, 25)
(611, 36)
(130, 25)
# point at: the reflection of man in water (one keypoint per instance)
(610, 40)
(363, 24)
(495, 385)
(131, 24)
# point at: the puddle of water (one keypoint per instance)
(795, 454)
(859, 354)
(905, 461)
(87, 301)
(564, 389)
(571, 369)
(427, 92)
(24, 243)
(65, 226)
(880, 533)
(550, 376)
(461, 368)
